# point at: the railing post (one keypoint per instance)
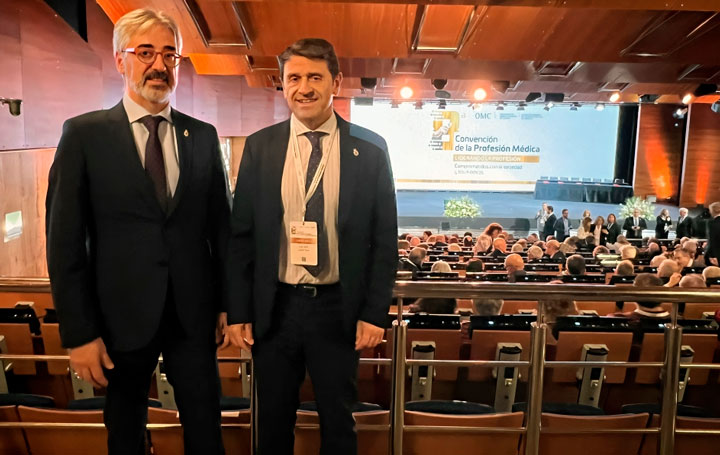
(398, 388)
(671, 376)
(538, 335)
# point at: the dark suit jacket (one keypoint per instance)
(712, 250)
(684, 229)
(603, 236)
(660, 224)
(549, 227)
(367, 227)
(112, 250)
(613, 232)
(630, 232)
(560, 229)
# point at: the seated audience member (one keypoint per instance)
(619, 244)
(515, 267)
(588, 244)
(475, 266)
(575, 265)
(483, 245)
(467, 241)
(711, 272)
(403, 236)
(454, 247)
(647, 310)
(628, 253)
(499, 247)
(532, 238)
(668, 268)
(517, 248)
(653, 250)
(441, 267)
(657, 260)
(423, 245)
(625, 268)
(534, 253)
(693, 280)
(522, 242)
(552, 250)
(683, 258)
(417, 257)
(600, 249)
(453, 240)
(572, 241)
(415, 241)
(431, 240)
(567, 248)
(440, 241)
(493, 230)
(426, 235)
(508, 236)
(552, 309)
(540, 244)
(434, 306)
(486, 307)
(403, 245)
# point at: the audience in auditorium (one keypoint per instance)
(711, 272)
(483, 245)
(517, 248)
(534, 253)
(426, 235)
(499, 247)
(575, 265)
(634, 225)
(647, 309)
(434, 306)
(625, 268)
(601, 249)
(563, 226)
(712, 250)
(629, 253)
(684, 224)
(693, 280)
(454, 248)
(668, 268)
(440, 267)
(493, 230)
(552, 250)
(613, 230)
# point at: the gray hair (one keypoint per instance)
(140, 20)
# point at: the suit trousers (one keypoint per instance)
(307, 335)
(191, 366)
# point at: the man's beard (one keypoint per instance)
(154, 95)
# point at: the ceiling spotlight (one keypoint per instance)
(599, 107)
(500, 106)
(394, 104)
(614, 97)
(406, 92)
(480, 94)
(368, 83)
(521, 106)
(680, 113)
(648, 98)
(418, 104)
(442, 104)
(687, 98)
(439, 84)
(574, 106)
(549, 105)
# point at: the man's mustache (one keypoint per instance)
(155, 74)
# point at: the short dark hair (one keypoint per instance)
(550, 207)
(646, 280)
(475, 265)
(575, 265)
(314, 49)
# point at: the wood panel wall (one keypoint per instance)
(23, 186)
(658, 158)
(700, 182)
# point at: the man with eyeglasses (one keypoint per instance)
(137, 227)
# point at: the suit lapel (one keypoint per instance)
(348, 172)
(184, 140)
(123, 145)
(278, 147)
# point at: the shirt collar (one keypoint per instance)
(328, 127)
(135, 112)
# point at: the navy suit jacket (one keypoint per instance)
(111, 248)
(367, 227)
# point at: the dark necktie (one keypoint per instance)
(154, 160)
(315, 210)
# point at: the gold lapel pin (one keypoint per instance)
(186, 133)
(355, 152)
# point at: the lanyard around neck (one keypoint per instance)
(318, 172)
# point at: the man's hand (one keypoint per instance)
(222, 338)
(674, 280)
(367, 335)
(714, 261)
(88, 361)
(241, 335)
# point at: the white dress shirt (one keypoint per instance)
(293, 202)
(168, 140)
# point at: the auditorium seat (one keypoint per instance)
(449, 407)
(370, 441)
(591, 443)
(98, 403)
(602, 308)
(12, 440)
(53, 346)
(696, 310)
(41, 300)
(170, 441)
(434, 443)
(567, 409)
(686, 444)
(26, 399)
(54, 441)
(18, 325)
(514, 306)
(484, 346)
(655, 409)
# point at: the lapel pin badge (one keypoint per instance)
(186, 133)
(355, 152)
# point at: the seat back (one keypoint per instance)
(570, 346)
(53, 346)
(53, 441)
(587, 443)
(376, 442)
(484, 346)
(696, 310)
(652, 349)
(12, 440)
(447, 347)
(686, 444)
(18, 339)
(514, 306)
(41, 300)
(434, 443)
(170, 441)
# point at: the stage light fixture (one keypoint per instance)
(599, 107)
(549, 105)
(648, 98)
(368, 83)
(574, 106)
(439, 84)
(406, 92)
(394, 104)
(615, 97)
(500, 106)
(687, 98)
(480, 94)
(680, 113)
(13, 105)
(442, 104)
(418, 105)
(521, 106)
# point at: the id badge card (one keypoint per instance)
(303, 243)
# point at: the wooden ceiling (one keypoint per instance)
(585, 49)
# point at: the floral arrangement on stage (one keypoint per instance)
(462, 207)
(647, 208)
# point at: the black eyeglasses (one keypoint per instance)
(148, 55)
